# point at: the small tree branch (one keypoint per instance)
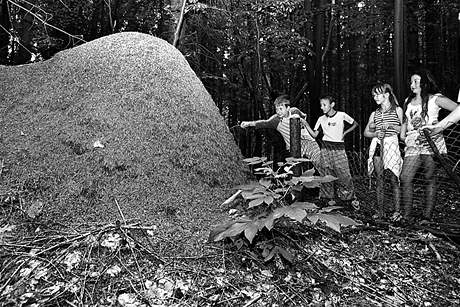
(46, 23)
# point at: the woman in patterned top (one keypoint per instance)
(383, 127)
(421, 108)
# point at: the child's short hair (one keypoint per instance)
(282, 100)
(327, 97)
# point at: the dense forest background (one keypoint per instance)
(246, 52)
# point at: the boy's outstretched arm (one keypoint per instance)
(313, 133)
(247, 124)
(272, 122)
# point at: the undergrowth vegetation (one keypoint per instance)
(271, 201)
(277, 250)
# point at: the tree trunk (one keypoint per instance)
(4, 36)
(179, 24)
(318, 68)
(24, 27)
(168, 24)
(399, 48)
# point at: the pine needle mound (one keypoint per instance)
(167, 156)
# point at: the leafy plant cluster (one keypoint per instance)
(270, 202)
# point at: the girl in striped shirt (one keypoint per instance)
(383, 127)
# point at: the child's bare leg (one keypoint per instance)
(409, 168)
(378, 167)
(430, 187)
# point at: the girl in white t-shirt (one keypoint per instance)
(421, 108)
(334, 159)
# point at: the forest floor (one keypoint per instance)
(129, 264)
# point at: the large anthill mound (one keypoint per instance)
(167, 154)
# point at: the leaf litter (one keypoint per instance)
(133, 265)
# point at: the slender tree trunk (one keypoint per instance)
(318, 43)
(310, 62)
(179, 24)
(95, 23)
(24, 29)
(5, 25)
(399, 50)
(168, 25)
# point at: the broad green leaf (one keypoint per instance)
(221, 231)
(270, 255)
(291, 160)
(297, 188)
(285, 254)
(263, 169)
(346, 221)
(279, 212)
(268, 200)
(265, 182)
(295, 213)
(253, 159)
(299, 160)
(256, 202)
(330, 220)
(239, 244)
(269, 222)
(252, 195)
(283, 175)
(311, 185)
(232, 231)
(308, 173)
(260, 189)
(248, 187)
(327, 178)
(304, 205)
(330, 208)
(281, 190)
(250, 231)
(333, 221)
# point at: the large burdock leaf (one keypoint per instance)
(308, 173)
(228, 230)
(304, 205)
(256, 202)
(250, 231)
(255, 160)
(334, 221)
(248, 187)
(251, 195)
(295, 213)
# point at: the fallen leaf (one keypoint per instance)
(35, 209)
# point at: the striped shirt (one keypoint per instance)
(282, 124)
(389, 117)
